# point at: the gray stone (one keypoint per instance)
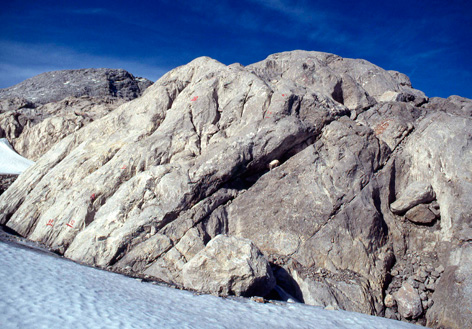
(415, 284)
(424, 303)
(434, 207)
(453, 105)
(440, 269)
(435, 274)
(391, 122)
(453, 295)
(420, 214)
(422, 275)
(56, 85)
(422, 287)
(416, 193)
(334, 291)
(6, 181)
(391, 314)
(229, 265)
(430, 303)
(389, 301)
(46, 125)
(409, 302)
(430, 286)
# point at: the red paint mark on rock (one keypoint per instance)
(124, 167)
(378, 130)
(71, 223)
(194, 99)
(93, 197)
(50, 222)
(283, 95)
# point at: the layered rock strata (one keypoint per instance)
(38, 112)
(344, 219)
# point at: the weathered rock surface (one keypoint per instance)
(229, 266)
(453, 294)
(54, 121)
(420, 214)
(149, 185)
(38, 112)
(6, 181)
(56, 85)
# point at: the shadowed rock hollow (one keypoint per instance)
(373, 191)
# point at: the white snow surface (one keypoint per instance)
(11, 163)
(38, 290)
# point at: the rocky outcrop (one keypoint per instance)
(362, 157)
(38, 112)
(44, 126)
(453, 292)
(56, 85)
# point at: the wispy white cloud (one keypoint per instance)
(308, 21)
(19, 61)
(88, 11)
(300, 12)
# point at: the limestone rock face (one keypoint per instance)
(44, 126)
(150, 185)
(453, 294)
(40, 111)
(229, 265)
(56, 85)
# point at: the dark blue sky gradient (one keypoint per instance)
(430, 41)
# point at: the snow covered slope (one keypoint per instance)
(41, 291)
(11, 163)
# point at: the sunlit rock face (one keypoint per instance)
(147, 186)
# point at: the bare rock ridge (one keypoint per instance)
(369, 209)
(40, 111)
(56, 85)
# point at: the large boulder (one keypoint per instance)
(229, 266)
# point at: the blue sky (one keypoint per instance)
(430, 41)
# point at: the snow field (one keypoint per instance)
(42, 291)
(11, 163)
